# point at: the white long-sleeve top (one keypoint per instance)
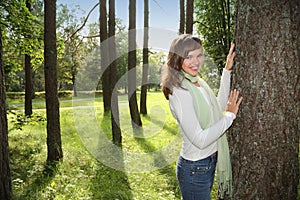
(198, 143)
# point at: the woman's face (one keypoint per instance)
(192, 63)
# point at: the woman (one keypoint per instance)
(202, 118)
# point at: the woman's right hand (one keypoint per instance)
(233, 102)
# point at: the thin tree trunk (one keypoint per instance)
(115, 121)
(28, 86)
(106, 82)
(5, 176)
(182, 17)
(143, 100)
(134, 112)
(224, 27)
(264, 138)
(189, 16)
(228, 23)
(74, 85)
(52, 104)
(28, 78)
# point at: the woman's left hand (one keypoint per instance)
(230, 57)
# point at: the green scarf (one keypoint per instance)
(206, 117)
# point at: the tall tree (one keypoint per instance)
(23, 34)
(143, 100)
(134, 112)
(189, 16)
(28, 85)
(28, 76)
(52, 104)
(5, 177)
(264, 139)
(105, 57)
(115, 121)
(182, 17)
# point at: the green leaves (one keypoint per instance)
(214, 22)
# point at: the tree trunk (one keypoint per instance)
(264, 138)
(5, 177)
(52, 104)
(143, 100)
(229, 20)
(224, 24)
(182, 17)
(189, 16)
(28, 86)
(134, 112)
(74, 84)
(28, 78)
(105, 57)
(115, 121)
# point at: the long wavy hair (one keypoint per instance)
(179, 50)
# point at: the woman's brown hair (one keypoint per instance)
(179, 50)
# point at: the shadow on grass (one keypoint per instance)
(164, 167)
(34, 176)
(110, 183)
(165, 126)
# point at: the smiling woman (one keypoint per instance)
(199, 115)
(194, 58)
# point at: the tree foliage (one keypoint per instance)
(22, 34)
(214, 22)
(73, 49)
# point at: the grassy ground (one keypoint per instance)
(148, 174)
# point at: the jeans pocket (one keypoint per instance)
(200, 168)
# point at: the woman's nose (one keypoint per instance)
(195, 60)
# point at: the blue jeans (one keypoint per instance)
(196, 178)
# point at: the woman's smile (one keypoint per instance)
(192, 63)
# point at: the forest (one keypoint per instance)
(83, 115)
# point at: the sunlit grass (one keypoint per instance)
(81, 175)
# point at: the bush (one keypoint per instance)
(21, 95)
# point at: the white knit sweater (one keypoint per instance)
(198, 143)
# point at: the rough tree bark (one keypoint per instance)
(264, 138)
(28, 86)
(5, 177)
(54, 145)
(28, 77)
(115, 119)
(182, 16)
(134, 111)
(189, 16)
(143, 101)
(105, 57)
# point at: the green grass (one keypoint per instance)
(81, 174)
(88, 173)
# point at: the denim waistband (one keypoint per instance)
(210, 158)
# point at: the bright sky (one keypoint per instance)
(163, 18)
(163, 13)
